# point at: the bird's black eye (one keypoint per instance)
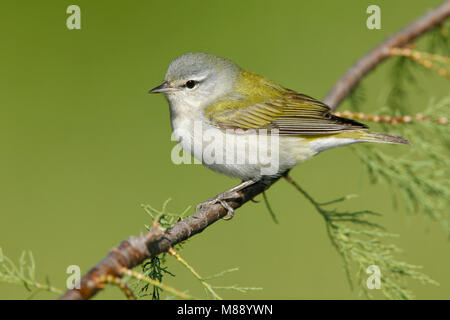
(191, 84)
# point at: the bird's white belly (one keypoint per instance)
(245, 155)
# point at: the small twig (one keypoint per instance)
(237, 288)
(419, 55)
(300, 189)
(141, 277)
(23, 274)
(43, 287)
(269, 208)
(118, 282)
(424, 59)
(220, 274)
(389, 119)
(208, 287)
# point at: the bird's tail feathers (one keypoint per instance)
(375, 137)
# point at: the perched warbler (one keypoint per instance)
(207, 92)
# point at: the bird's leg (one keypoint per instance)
(229, 194)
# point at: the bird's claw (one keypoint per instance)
(229, 194)
(230, 210)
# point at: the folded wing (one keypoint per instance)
(269, 106)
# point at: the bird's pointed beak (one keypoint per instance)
(162, 88)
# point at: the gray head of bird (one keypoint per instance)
(198, 79)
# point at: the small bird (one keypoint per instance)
(213, 93)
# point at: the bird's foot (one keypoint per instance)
(230, 194)
(219, 199)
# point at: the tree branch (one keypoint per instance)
(382, 51)
(135, 250)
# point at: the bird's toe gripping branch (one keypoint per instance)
(221, 198)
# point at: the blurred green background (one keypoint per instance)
(83, 145)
